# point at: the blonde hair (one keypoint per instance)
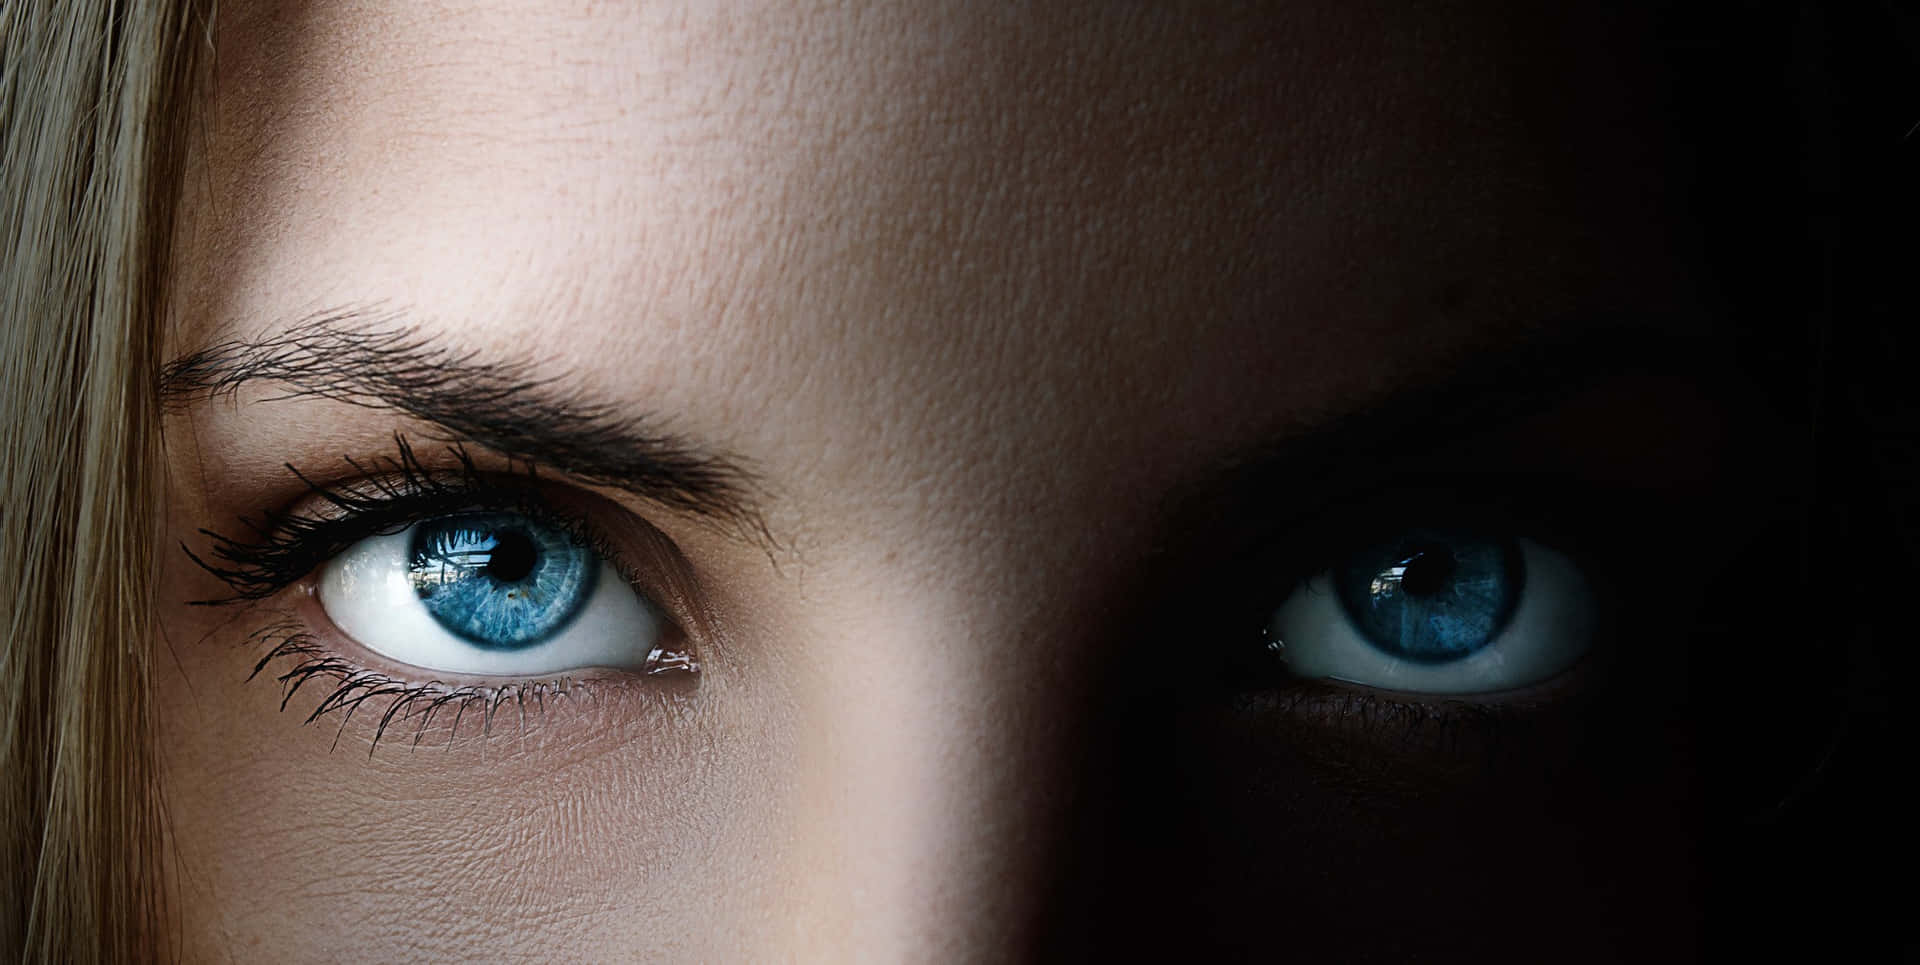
(91, 92)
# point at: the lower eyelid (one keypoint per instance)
(1418, 724)
(323, 675)
(1562, 687)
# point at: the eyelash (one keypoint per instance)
(422, 703)
(395, 493)
(388, 496)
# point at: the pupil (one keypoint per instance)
(1428, 571)
(511, 558)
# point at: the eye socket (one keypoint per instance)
(489, 593)
(1436, 611)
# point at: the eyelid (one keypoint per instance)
(301, 644)
(1405, 735)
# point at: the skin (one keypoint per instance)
(974, 294)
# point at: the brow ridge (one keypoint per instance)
(1302, 468)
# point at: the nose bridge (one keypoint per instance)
(937, 758)
(957, 578)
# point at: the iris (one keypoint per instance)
(498, 580)
(1431, 596)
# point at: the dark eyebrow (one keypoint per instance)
(379, 361)
(1314, 463)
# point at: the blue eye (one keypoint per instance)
(1432, 596)
(1438, 611)
(498, 581)
(489, 593)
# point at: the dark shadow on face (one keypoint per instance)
(1715, 785)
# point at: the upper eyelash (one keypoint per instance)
(388, 496)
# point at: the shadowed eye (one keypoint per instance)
(488, 593)
(1438, 611)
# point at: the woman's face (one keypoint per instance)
(1008, 384)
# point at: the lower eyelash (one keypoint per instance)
(414, 705)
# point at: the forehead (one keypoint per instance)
(867, 243)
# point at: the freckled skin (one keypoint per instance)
(972, 290)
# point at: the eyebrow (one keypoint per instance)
(381, 362)
(1318, 462)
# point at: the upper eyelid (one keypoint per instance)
(409, 490)
(291, 544)
(1270, 562)
(1489, 498)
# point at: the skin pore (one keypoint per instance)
(1031, 331)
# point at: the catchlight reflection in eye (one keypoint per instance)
(488, 593)
(1439, 612)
